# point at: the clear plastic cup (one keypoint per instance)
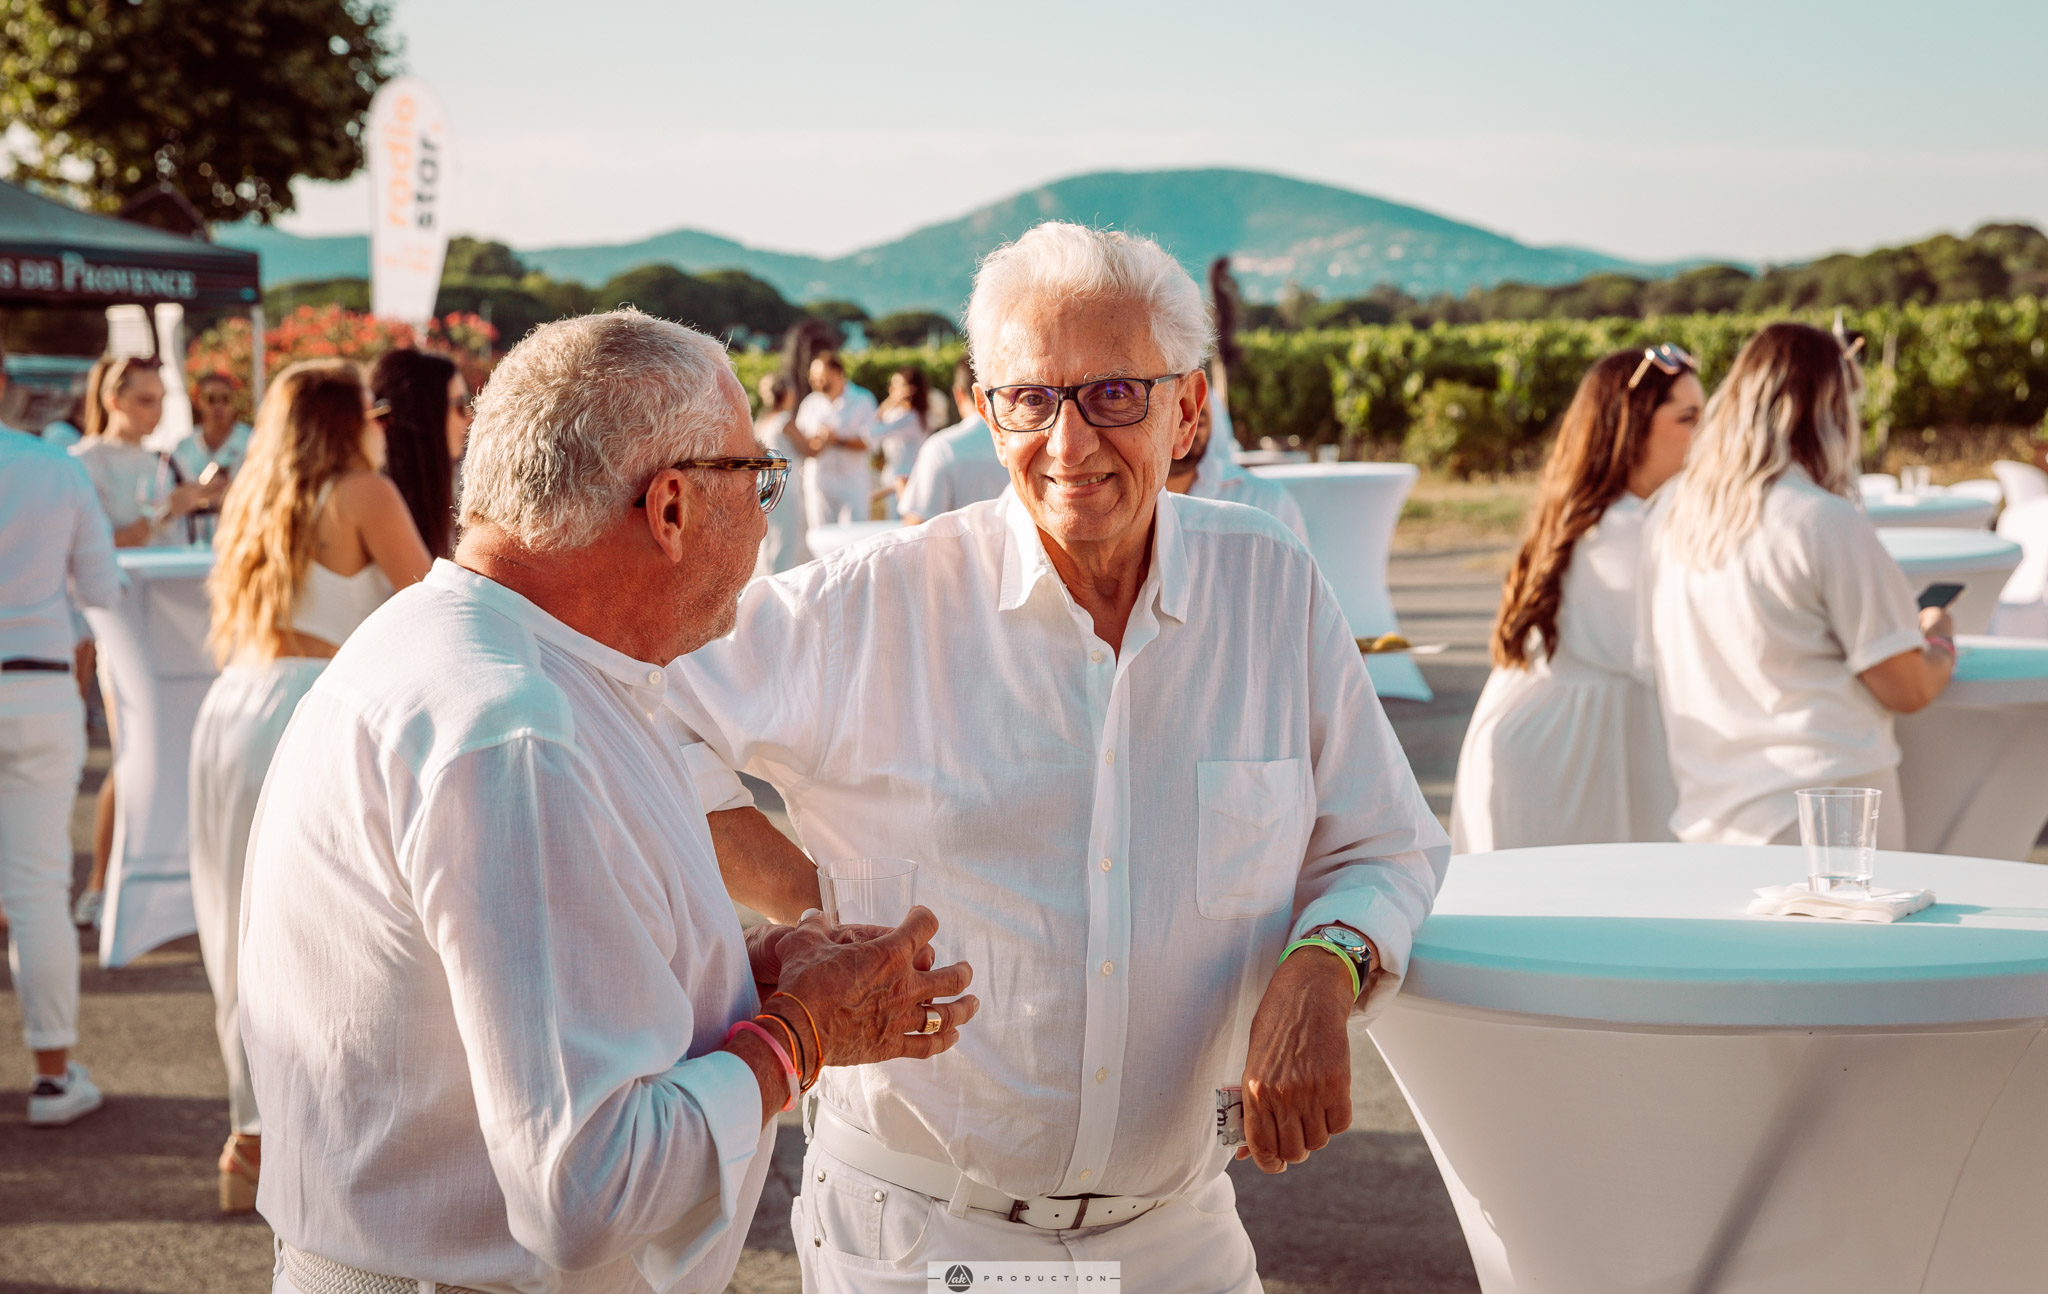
(868, 891)
(1838, 826)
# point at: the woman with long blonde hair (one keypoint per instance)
(1784, 636)
(1565, 746)
(312, 539)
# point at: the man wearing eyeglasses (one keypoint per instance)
(502, 1021)
(1044, 700)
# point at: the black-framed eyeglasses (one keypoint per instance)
(1669, 358)
(771, 474)
(1107, 402)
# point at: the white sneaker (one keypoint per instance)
(86, 912)
(58, 1101)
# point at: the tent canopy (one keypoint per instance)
(54, 255)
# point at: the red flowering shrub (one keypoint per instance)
(330, 332)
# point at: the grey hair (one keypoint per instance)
(1061, 260)
(581, 413)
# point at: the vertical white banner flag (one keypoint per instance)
(408, 147)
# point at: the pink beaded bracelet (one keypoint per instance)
(788, 1066)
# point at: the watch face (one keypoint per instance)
(1342, 938)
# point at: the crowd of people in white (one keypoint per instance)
(468, 825)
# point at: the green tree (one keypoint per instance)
(721, 302)
(477, 258)
(912, 328)
(227, 100)
(838, 314)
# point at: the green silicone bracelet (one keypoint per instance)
(1350, 967)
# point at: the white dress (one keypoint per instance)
(783, 546)
(1571, 750)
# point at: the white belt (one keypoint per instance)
(860, 1150)
(312, 1274)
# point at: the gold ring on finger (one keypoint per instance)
(933, 1021)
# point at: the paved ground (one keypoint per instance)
(124, 1201)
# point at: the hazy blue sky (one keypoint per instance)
(1759, 130)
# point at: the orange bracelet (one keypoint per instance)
(816, 1039)
(794, 1049)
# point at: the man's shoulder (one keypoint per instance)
(432, 675)
(31, 454)
(1232, 518)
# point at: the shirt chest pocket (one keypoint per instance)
(1249, 841)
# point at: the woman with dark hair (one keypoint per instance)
(1785, 637)
(900, 427)
(312, 539)
(425, 433)
(1566, 746)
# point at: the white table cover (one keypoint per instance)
(1973, 766)
(1976, 559)
(1351, 510)
(826, 540)
(1631, 1085)
(1932, 509)
(153, 642)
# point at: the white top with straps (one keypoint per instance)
(330, 606)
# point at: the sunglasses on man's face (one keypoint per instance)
(1668, 358)
(771, 474)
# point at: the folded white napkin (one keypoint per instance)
(1800, 901)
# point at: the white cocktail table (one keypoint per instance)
(153, 645)
(1629, 1085)
(1976, 559)
(1933, 509)
(1351, 510)
(1973, 766)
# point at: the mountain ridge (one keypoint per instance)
(1278, 231)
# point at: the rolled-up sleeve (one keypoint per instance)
(605, 1136)
(1377, 855)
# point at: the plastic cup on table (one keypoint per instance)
(869, 891)
(1838, 827)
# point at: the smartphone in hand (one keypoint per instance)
(1938, 596)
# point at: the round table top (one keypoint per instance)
(1658, 935)
(1928, 510)
(1335, 471)
(1948, 547)
(181, 562)
(826, 540)
(1999, 672)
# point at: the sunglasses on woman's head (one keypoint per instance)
(1668, 358)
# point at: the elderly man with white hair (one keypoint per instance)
(1128, 738)
(499, 1012)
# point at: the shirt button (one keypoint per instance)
(879, 1197)
(1109, 968)
(1106, 864)
(1101, 1075)
(654, 678)
(1095, 656)
(1087, 1173)
(1110, 758)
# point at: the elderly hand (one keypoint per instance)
(867, 993)
(764, 949)
(1297, 1075)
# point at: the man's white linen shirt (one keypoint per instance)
(1757, 660)
(850, 414)
(1119, 844)
(54, 542)
(954, 468)
(1218, 477)
(488, 961)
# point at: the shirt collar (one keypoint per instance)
(1025, 562)
(463, 582)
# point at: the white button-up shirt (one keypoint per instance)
(488, 961)
(1119, 843)
(1218, 477)
(54, 541)
(852, 415)
(956, 467)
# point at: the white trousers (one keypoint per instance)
(857, 1234)
(42, 750)
(240, 723)
(836, 488)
